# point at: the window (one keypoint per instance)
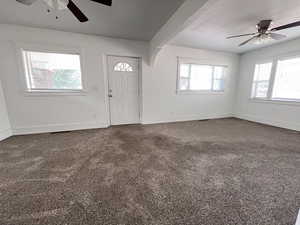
(261, 80)
(123, 67)
(287, 79)
(196, 77)
(52, 71)
(282, 83)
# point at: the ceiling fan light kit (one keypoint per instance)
(264, 33)
(57, 4)
(66, 4)
(262, 39)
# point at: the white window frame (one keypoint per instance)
(23, 71)
(271, 80)
(191, 61)
(274, 61)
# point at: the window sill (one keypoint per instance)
(276, 101)
(54, 93)
(200, 92)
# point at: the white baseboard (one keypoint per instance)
(83, 126)
(5, 134)
(57, 128)
(275, 123)
(186, 118)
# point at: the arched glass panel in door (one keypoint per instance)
(123, 67)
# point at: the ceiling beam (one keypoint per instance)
(186, 14)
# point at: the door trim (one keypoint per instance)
(106, 83)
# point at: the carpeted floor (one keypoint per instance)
(216, 172)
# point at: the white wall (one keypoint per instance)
(5, 130)
(282, 115)
(35, 114)
(160, 103)
(163, 104)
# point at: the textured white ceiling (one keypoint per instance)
(131, 19)
(231, 17)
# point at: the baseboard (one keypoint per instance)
(5, 134)
(282, 124)
(186, 118)
(83, 126)
(57, 128)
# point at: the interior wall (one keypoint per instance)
(159, 101)
(277, 114)
(50, 112)
(165, 105)
(5, 130)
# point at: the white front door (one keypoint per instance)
(123, 90)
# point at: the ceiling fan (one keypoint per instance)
(67, 4)
(265, 33)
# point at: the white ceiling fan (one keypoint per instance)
(66, 4)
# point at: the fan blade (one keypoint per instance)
(290, 25)
(77, 12)
(277, 36)
(245, 42)
(26, 2)
(104, 2)
(242, 35)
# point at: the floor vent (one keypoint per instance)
(61, 132)
(203, 120)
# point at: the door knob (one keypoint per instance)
(110, 95)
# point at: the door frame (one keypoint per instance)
(106, 84)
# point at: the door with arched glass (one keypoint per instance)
(123, 90)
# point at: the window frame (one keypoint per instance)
(270, 81)
(274, 60)
(21, 48)
(191, 61)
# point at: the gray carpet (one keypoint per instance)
(217, 172)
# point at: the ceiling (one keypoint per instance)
(231, 17)
(130, 19)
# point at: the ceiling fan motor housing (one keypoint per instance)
(263, 26)
(57, 4)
